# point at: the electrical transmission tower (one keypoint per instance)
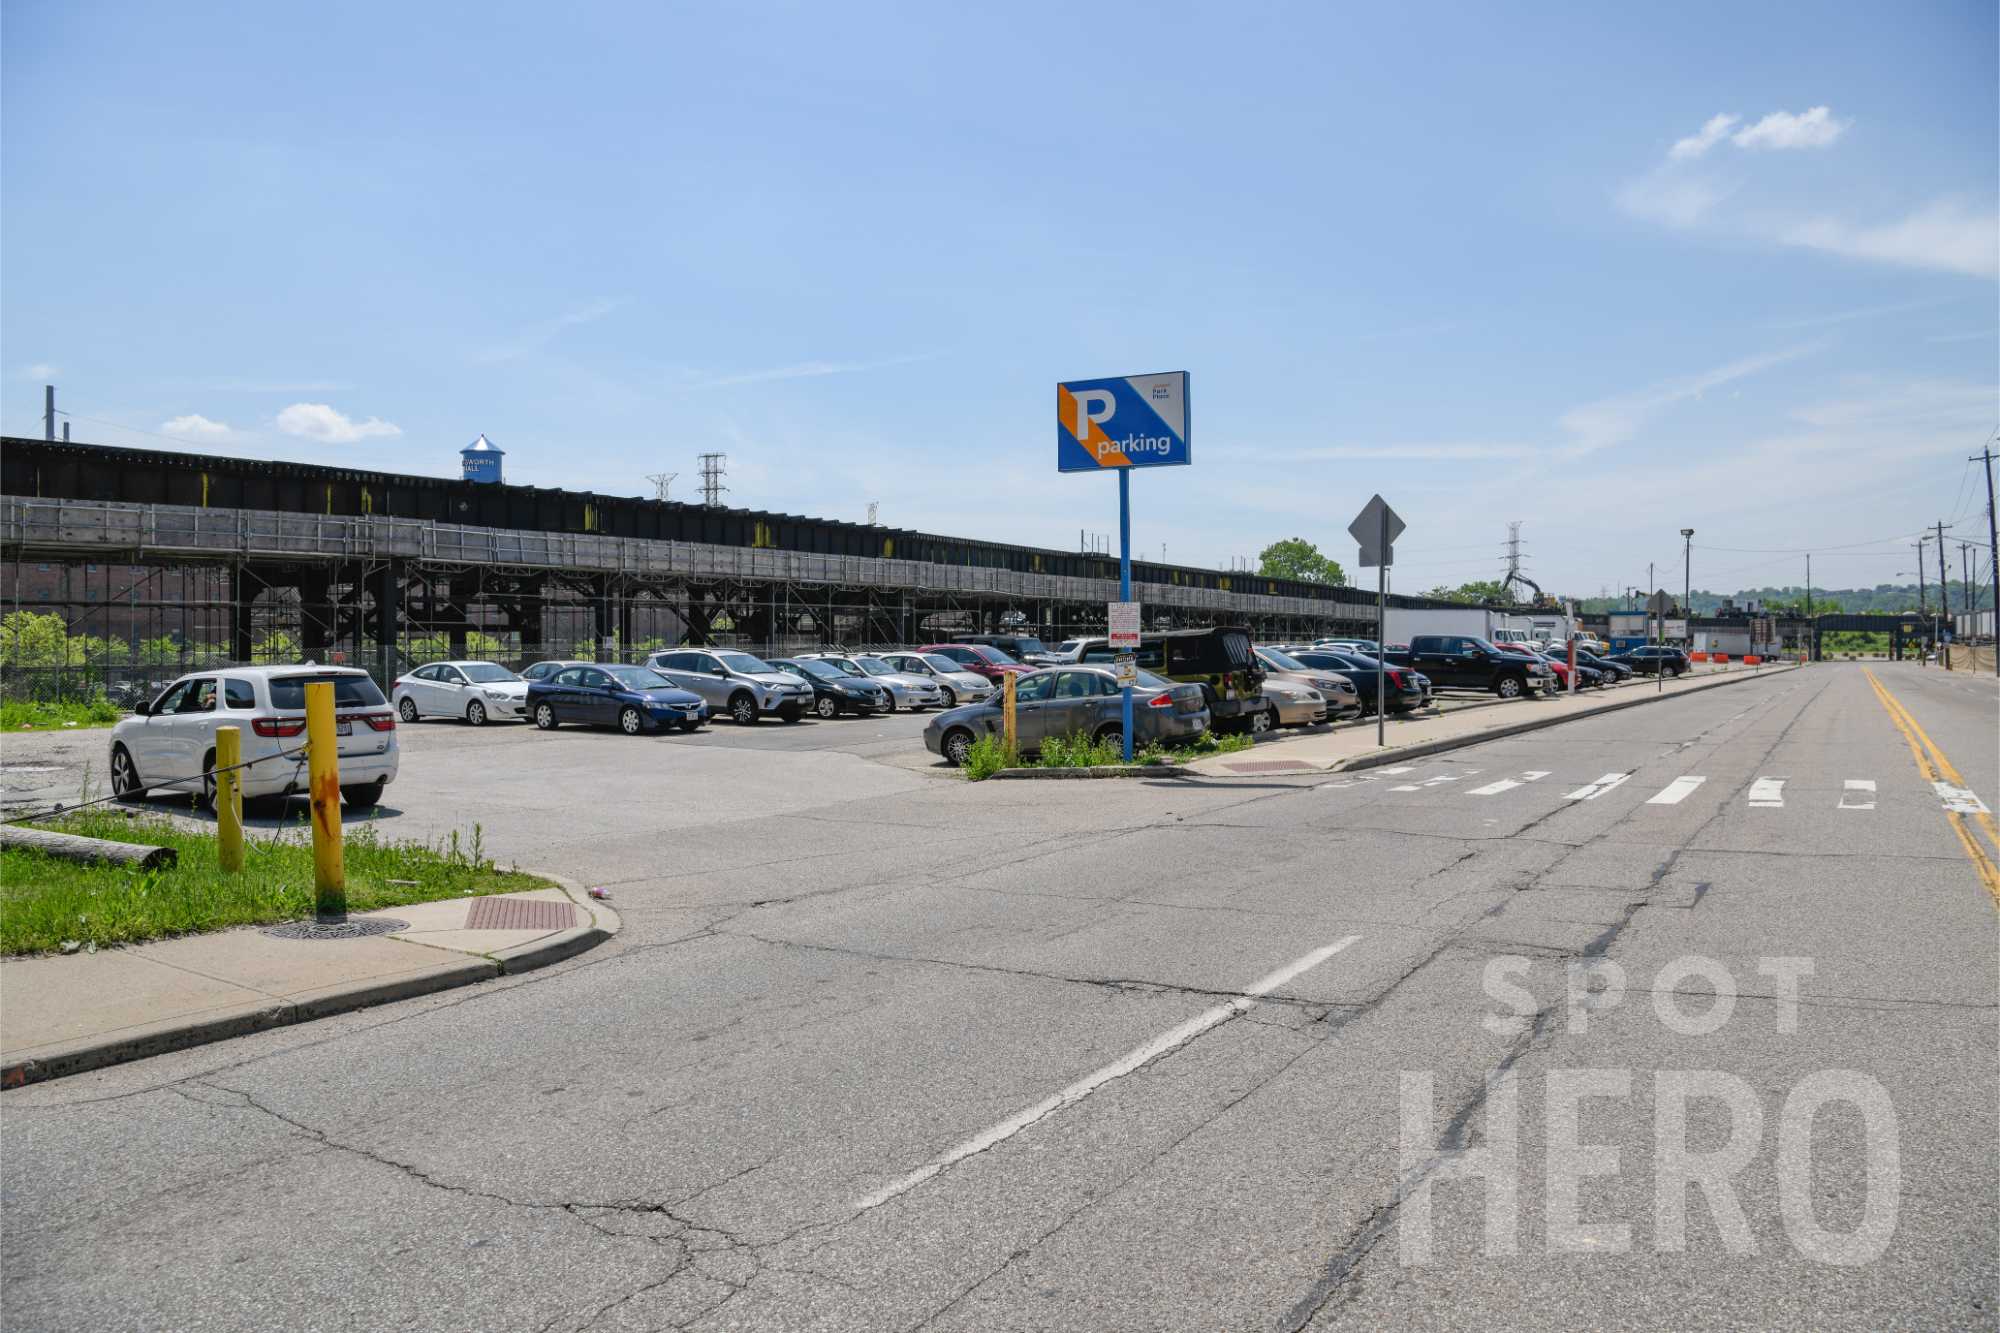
(661, 480)
(873, 506)
(1514, 574)
(713, 468)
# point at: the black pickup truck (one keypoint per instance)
(1457, 662)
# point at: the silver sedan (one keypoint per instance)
(958, 685)
(911, 692)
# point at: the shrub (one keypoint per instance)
(989, 754)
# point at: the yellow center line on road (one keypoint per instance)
(1932, 763)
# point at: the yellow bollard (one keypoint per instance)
(229, 798)
(323, 763)
(1007, 709)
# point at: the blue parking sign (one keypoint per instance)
(1126, 422)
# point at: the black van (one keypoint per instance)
(1222, 661)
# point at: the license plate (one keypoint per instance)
(343, 728)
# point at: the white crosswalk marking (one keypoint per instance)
(1597, 788)
(1508, 784)
(1767, 793)
(1859, 794)
(1960, 800)
(1437, 781)
(1676, 791)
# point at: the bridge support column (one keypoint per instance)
(602, 616)
(243, 587)
(388, 621)
(315, 613)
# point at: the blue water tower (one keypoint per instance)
(482, 460)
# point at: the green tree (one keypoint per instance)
(1297, 558)
(1475, 593)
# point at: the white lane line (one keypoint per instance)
(1767, 793)
(1597, 788)
(1508, 784)
(1676, 791)
(1961, 800)
(1858, 794)
(1134, 1059)
(1396, 772)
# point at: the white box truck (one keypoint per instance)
(1476, 622)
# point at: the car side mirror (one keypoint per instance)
(142, 709)
(717, 671)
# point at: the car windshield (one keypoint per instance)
(745, 664)
(992, 654)
(348, 691)
(637, 678)
(875, 666)
(1273, 657)
(486, 673)
(1029, 646)
(822, 670)
(939, 662)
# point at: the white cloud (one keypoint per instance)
(1710, 135)
(1670, 198)
(1613, 421)
(195, 426)
(1941, 235)
(538, 336)
(318, 421)
(692, 379)
(41, 370)
(1781, 129)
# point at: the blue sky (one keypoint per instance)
(1607, 273)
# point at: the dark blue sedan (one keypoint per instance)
(632, 699)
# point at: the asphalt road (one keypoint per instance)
(879, 1049)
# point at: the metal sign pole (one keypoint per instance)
(1381, 647)
(1125, 583)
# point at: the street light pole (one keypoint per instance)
(1687, 580)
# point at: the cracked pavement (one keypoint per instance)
(837, 966)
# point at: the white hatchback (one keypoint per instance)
(475, 691)
(169, 742)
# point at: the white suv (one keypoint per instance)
(169, 743)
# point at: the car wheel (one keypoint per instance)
(957, 746)
(475, 713)
(1264, 723)
(950, 697)
(1110, 735)
(125, 776)
(545, 717)
(407, 709)
(743, 710)
(362, 796)
(827, 707)
(1508, 687)
(630, 722)
(1679, 671)
(890, 707)
(207, 799)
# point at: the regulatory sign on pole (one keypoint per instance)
(1376, 527)
(1124, 625)
(1130, 421)
(1127, 667)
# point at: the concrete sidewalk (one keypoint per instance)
(1352, 744)
(64, 1014)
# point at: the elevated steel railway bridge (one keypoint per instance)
(359, 566)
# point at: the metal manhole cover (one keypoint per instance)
(353, 928)
(1272, 766)
(520, 914)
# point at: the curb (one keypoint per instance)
(177, 1035)
(1098, 771)
(1419, 750)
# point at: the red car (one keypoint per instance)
(980, 659)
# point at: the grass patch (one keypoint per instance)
(23, 714)
(989, 754)
(45, 901)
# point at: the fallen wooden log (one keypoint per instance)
(72, 847)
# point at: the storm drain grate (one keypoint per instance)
(1272, 766)
(520, 914)
(351, 929)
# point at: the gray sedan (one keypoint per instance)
(1073, 701)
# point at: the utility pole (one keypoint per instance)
(1923, 603)
(1808, 583)
(1687, 578)
(49, 412)
(1944, 593)
(1992, 551)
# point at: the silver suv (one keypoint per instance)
(741, 685)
